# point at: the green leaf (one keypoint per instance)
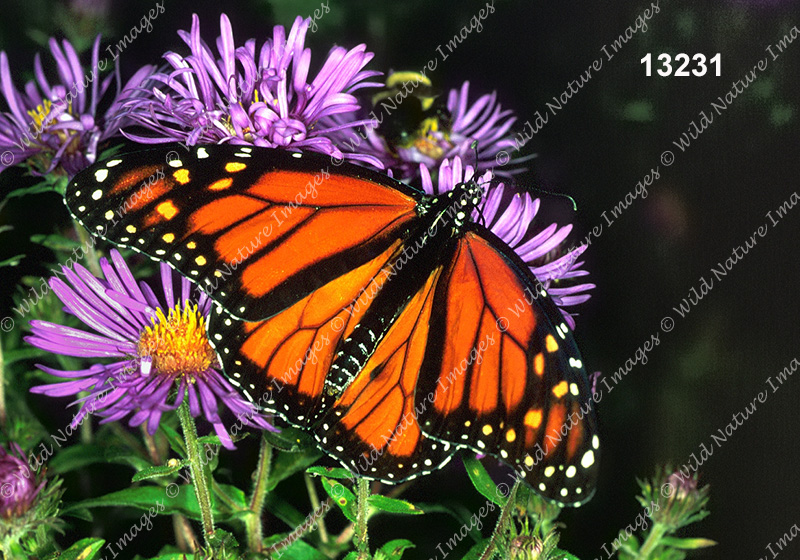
(283, 510)
(351, 555)
(12, 261)
(159, 471)
(33, 189)
(11, 356)
(687, 544)
(482, 481)
(331, 472)
(80, 456)
(393, 505)
(232, 494)
(439, 508)
(146, 497)
(298, 550)
(77, 457)
(287, 464)
(477, 550)
(291, 440)
(84, 549)
(563, 555)
(56, 242)
(174, 439)
(342, 497)
(222, 539)
(82, 513)
(172, 499)
(393, 550)
(209, 440)
(171, 556)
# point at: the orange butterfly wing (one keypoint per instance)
(282, 362)
(258, 229)
(372, 427)
(512, 386)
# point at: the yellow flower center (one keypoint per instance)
(177, 343)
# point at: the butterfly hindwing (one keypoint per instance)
(372, 428)
(511, 385)
(282, 362)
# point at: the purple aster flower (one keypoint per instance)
(263, 99)
(162, 347)
(509, 215)
(445, 136)
(57, 126)
(18, 485)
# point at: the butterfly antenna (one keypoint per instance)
(474, 146)
(551, 193)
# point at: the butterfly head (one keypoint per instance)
(467, 197)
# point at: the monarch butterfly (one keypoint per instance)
(361, 309)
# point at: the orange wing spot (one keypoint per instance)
(464, 311)
(325, 233)
(504, 287)
(380, 400)
(575, 437)
(561, 389)
(511, 435)
(407, 436)
(485, 382)
(550, 343)
(533, 418)
(220, 184)
(538, 364)
(555, 421)
(377, 426)
(224, 212)
(182, 176)
(328, 189)
(234, 166)
(167, 209)
(168, 237)
(514, 380)
(133, 178)
(295, 347)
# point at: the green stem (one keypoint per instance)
(501, 523)
(362, 542)
(255, 536)
(2, 389)
(196, 466)
(315, 505)
(91, 258)
(652, 541)
(221, 495)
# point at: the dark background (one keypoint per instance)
(605, 139)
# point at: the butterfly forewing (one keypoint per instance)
(254, 227)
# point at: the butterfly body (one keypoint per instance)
(360, 309)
